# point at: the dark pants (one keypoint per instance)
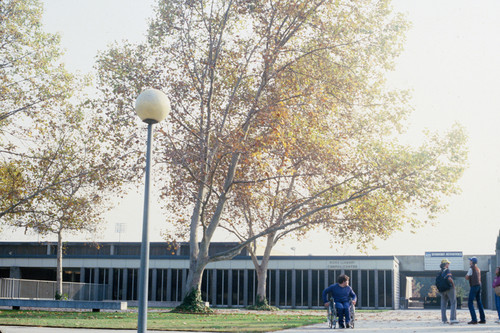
(343, 311)
(475, 293)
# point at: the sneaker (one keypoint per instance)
(454, 322)
(497, 321)
(472, 322)
(482, 321)
(347, 325)
(445, 322)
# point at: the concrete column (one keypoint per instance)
(82, 274)
(124, 284)
(96, 275)
(229, 287)
(214, 287)
(294, 288)
(109, 294)
(309, 288)
(489, 288)
(184, 277)
(277, 288)
(359, 293)
(169, 285)
(245, 287)
(15, 273)
(154, 275)
(376, 288)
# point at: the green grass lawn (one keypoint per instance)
(219, 322)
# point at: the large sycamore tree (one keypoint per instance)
(280, 121)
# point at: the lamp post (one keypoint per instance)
(152, 106)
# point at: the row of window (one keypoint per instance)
(285, 288)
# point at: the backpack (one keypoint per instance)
(442, 282)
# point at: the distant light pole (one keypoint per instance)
(152, 106)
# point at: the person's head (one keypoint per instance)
(497, 271)
(473, 261)
(343, 280)
(445, 263)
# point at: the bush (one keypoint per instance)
(193, 303)
(61, 297)
(262, 305)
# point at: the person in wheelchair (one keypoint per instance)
(341, 293)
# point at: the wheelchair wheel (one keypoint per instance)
(352, 314)
(332, 315)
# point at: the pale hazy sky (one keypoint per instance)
(451, 64)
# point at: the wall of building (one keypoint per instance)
(293, 281)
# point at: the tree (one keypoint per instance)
(352, 197)
(30, 74)
(77, 176)
(31, 80)
(277, 97)
(56, 164)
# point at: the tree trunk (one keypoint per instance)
(59, 277)
(194, 277)
(261, 270)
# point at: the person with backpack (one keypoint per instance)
(474, 278)
(446, 287)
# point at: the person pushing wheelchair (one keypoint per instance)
(341, 293)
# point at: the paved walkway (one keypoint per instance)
(395, 321)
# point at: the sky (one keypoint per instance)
(450, 64)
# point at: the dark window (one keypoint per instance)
(318, 281)
(128, 249)
(332, 277)
(299, 295)
(38, 273)
(222, 275)
(371, 289)
(353, 282)
(388, 288)
(132, 278)
(252, 286)
(364, 289)
(206, 286)
(4, 272)
(381, 289)
(176, 286)
(285, 288)
(237, 287)
(160, 285)
(270, 287)
(117, 284)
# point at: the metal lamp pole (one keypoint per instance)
(152, 106)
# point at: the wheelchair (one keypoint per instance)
(332, 314)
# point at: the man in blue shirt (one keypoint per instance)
(341, 293)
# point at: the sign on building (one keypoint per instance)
(432, 260)
(343, 264)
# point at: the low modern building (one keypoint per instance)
(293, 281)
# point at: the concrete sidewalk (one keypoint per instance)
(393, 321)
